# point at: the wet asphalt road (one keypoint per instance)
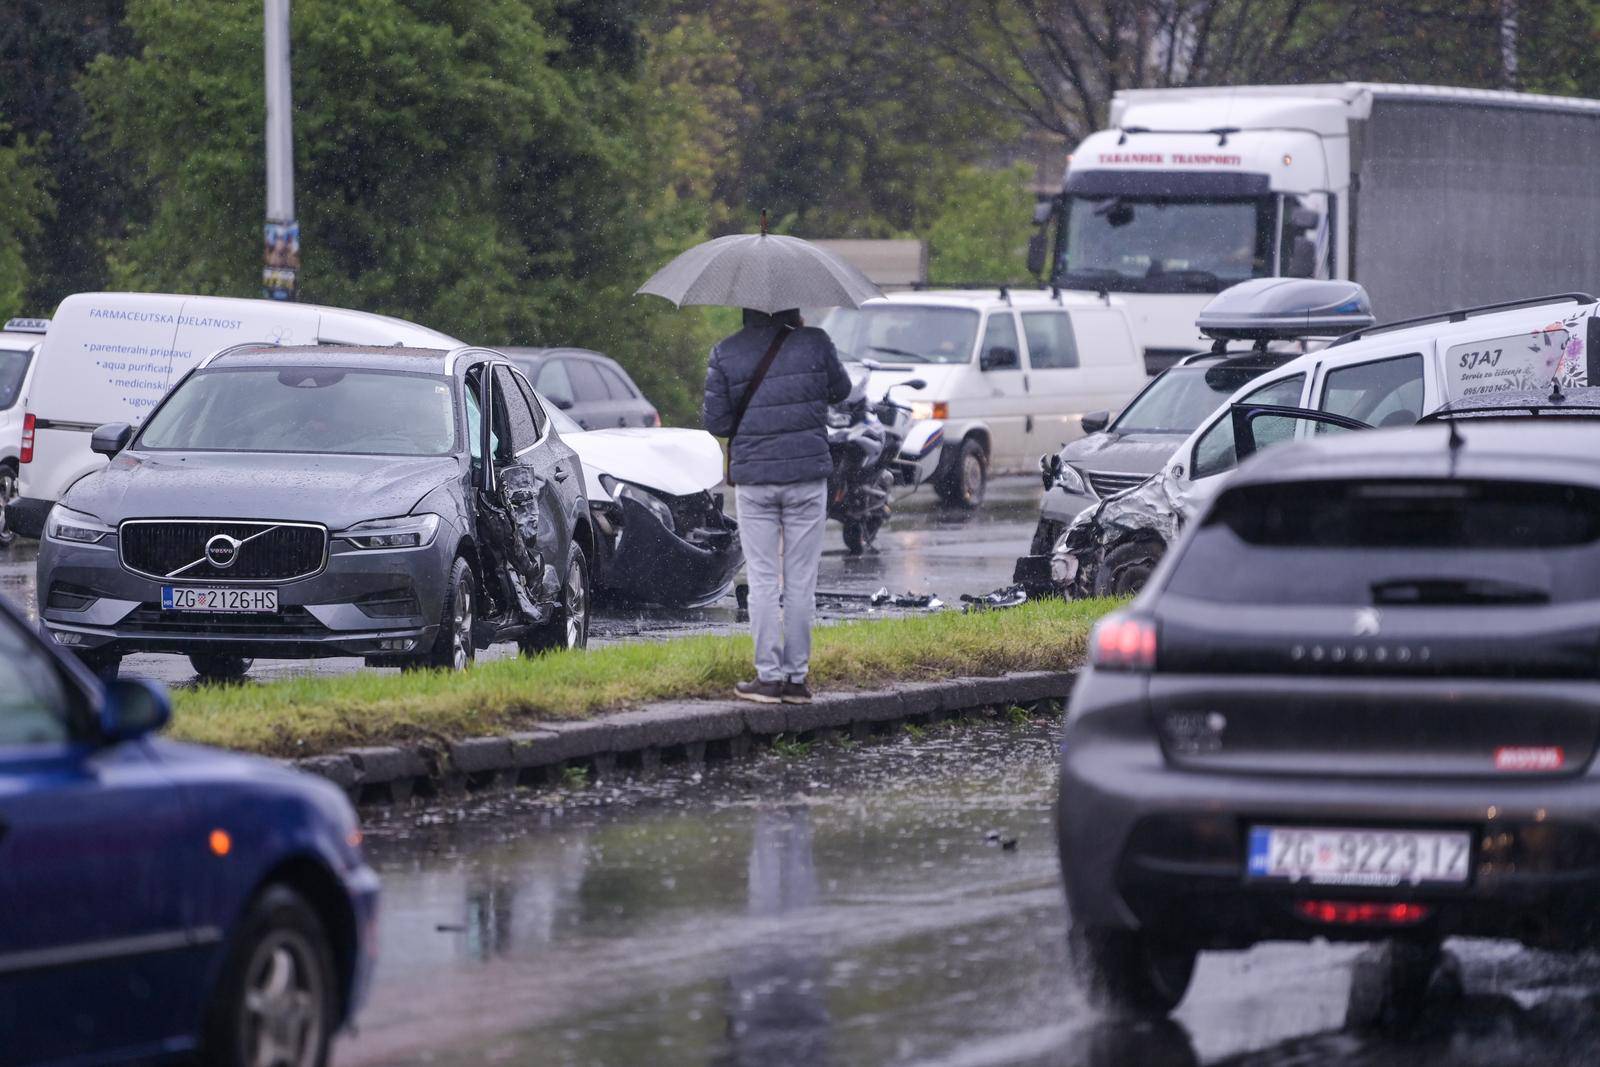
(925, 549)
(849, 908)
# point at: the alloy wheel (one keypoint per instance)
(283, 1003)
(461, 628)
(971, 476)
(577, 607)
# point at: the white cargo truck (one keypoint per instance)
(1430, 197)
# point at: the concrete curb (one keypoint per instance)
(678, 731)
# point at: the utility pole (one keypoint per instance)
(281, 234)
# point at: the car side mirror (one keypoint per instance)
(1302, 258)
(564, 405)
(133, 707)
(111, 438)
(915, 383)
(1038, 251)
(1304, 218)
(1095, 421)
(999, 358)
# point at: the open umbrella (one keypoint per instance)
(762, 271)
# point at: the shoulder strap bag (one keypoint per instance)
(749, 392)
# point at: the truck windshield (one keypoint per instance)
(326, 410)
(13, 368)
(1165, 245)
(901, 333)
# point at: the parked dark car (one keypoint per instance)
(303, 502)
(1357, 700)
(162, 899)
(590, 387)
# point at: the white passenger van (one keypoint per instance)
(19, 344)
(109, 357)
(1010, 372)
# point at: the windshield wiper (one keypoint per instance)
(1456, 591)
(918, 356)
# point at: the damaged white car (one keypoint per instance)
(660, 531)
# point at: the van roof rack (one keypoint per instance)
(1005, 289)
(1463, 314)
(27, 325)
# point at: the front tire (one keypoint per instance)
(569, 626)
(220, 666)
(964, 483)
(276, 1002)
(453, 649)
(1129, 973)
(1126, 568)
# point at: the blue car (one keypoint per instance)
(160, 899)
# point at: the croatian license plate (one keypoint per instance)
(1358, 857)
(200, 598)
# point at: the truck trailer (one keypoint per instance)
(1431, 197)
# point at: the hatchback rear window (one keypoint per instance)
(1396, 542)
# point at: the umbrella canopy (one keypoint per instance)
(762, 271)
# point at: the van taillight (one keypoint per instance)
(27, 438)
(1123, 643)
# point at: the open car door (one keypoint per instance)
(1248, 439)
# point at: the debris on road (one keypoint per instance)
(1012, 596)
(884, 598)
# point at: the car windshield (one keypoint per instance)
(327, 410)
(903, 333)
(1180, 399)
(1369, 543)
(13, 368)
(33, 697)
(1152, 244)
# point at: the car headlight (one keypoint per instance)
(621, 490)
(407, 531)
(1070, 480)
(930, 409)
(1063, 562)
(75, 527)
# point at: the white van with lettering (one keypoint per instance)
(109, 357)
(1010, 373)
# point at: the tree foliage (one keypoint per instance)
(24, 204)
(981, 232)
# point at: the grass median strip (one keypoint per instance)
(320, 713)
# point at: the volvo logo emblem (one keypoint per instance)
(222, 551)
(1368, 622)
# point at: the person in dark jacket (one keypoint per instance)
(779, 464)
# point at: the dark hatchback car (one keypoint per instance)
(303, 502)
(160, 899)
(1359, 700)
(590, 387)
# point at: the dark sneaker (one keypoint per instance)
(760, 692)
(796, 693)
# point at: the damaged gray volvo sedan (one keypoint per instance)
(325, 501)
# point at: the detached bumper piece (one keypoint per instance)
(690, 566)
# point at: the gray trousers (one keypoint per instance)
(781, 528)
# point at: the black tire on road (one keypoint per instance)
(569, 626)
(1128, 973)
(220, 666)
(104, 664)
(963, 483)
(1126, 568)
(8, 493)
(453, 649)
(277, 998)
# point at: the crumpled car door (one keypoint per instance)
(508, 511)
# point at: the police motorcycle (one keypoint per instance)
(867, 439)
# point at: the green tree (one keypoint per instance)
(490, 168)
(981, 232)
(24, 205)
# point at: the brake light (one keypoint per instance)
(1361, 913)
(28, 422)
(1123, 643)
